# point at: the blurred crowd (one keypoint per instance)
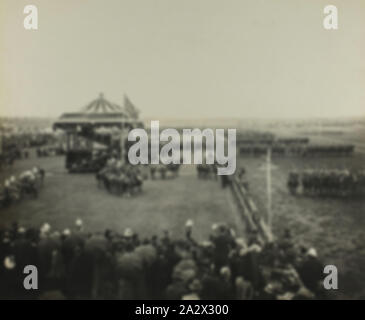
(26, 184)
(49, 151)
(329, 150)
(10, 153)
(120, 178)
(75, 264)
(16, 139)
(281, 148)
(210, 171)
(327, 182)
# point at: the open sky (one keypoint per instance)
(184, 58)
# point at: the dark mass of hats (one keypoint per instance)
(74, 264)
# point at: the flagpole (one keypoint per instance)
(268, 186)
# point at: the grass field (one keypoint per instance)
(162, 205)
(335, 227)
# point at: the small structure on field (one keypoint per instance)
(100, 125)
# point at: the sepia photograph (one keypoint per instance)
(182, 150)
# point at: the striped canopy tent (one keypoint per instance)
(100, 113)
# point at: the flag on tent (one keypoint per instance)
(129, 107)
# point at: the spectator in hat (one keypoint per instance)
(311, 271)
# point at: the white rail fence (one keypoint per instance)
(255, 221)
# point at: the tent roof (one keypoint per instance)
(98, 112)
(103, 106)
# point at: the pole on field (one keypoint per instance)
(268, 186)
